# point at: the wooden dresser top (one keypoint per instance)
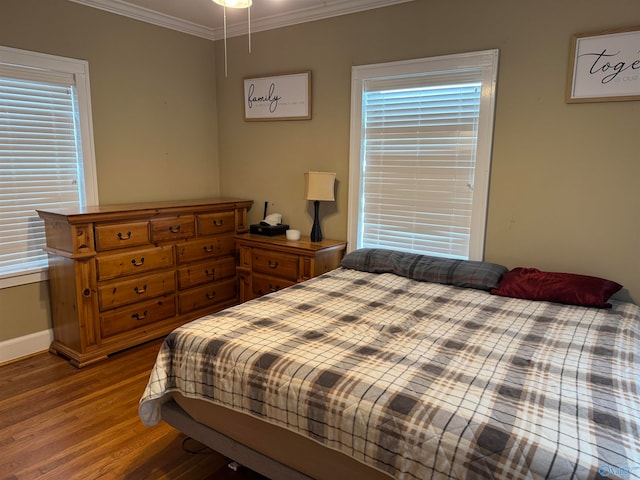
(146, 209)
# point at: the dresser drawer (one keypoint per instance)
(205, 272)
(114, 277)
(263, 284)
(167, 229)
(213, 223)
(209, 248)
(118, 293)
(207, 296)
(125, 319)
(274, 263)
(134, 261)
(122, 235)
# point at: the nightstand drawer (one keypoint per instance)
(209, 248)
(134, 261)
(122, 235)
(207, 296)
(118, 293)
(206, 272)
(268, 264)
(275, 263)
(167, 229)
(125, 319)
(263, 284)
(215, 223)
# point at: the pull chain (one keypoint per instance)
(224, 7)
(249, 22)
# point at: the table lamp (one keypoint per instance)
(318, 186)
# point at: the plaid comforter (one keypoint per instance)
(423, 380)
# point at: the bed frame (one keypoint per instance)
(267, 449)
(180, 420)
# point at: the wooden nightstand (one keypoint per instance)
(268, 264)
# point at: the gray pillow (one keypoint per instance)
(425, 268)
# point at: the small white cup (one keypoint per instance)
(293, 234)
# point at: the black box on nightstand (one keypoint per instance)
(268, 230)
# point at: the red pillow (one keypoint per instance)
(570, 288)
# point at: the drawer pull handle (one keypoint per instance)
(273, 288)
(140, 291)
(208, 249)
(86, 292)
(136, 263)
(173, 229)
(217, 223)
(122, 237)
(137, 316)
(273, 264)
(211, 296)
(210, 273)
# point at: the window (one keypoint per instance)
(46, 154)
(421, 134)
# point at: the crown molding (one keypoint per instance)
(304, 15)
(125, 9)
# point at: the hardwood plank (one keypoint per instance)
(60, 422)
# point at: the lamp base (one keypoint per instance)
(316, 232)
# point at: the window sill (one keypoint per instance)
(14, 280)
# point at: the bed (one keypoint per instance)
(398, 365)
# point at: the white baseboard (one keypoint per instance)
(24, 346)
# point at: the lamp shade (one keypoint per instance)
(319, 186)
(234, 3)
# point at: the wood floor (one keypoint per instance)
(59, 422)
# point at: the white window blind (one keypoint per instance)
(416, 169)
(41, 159)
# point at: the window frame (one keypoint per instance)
(46, 64)
(487, 60)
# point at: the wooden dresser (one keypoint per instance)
(121, 275)
(268, 264)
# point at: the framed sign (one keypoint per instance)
(278, 97)
(604, 67)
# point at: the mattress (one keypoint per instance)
(421, 380)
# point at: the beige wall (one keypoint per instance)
(563, 183)
(154, 114)
(563, 192)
